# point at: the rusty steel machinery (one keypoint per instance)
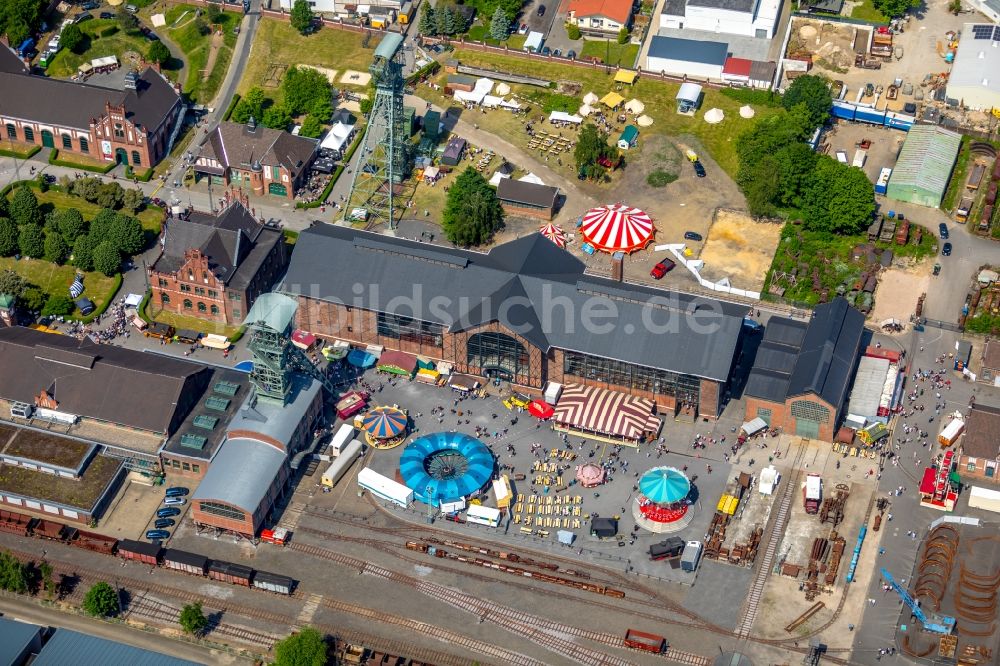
(832, 509)
(935, 566)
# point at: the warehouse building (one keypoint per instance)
(924, 166)
(519, 312)
(687, 57)
(979, 445)
(526, 199)
(802, 371)
(975, 75)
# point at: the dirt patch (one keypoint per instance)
(330, 74)
(356, 78)
(830, 45)
(218, 40)
(740, 248)
(897, 294)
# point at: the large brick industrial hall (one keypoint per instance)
(525, 312)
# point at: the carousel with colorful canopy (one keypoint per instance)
(663, 504)
(385, 427)
(617, 228)
(445, 467)
(590, 475)
(554, 233)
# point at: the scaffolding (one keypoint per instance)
(385, 160)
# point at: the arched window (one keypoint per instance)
(164, 297)
(67, 141)
(202, 307)
(29, 134)
(187, 304)
(84, 145)
(11, 131)
(215, 309)
(136, 158)
(497, 353)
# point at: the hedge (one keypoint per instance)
(428, 69)
(108, 31)
(335, 177)
(55, 161)
(106, 304)
(232, 105)
(753, 96)
(143, 177)
(20, 156)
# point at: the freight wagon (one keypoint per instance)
(140, 551)
(181, 560)
(227, 572)
(95, 542)
(270, 582)
(640, 640)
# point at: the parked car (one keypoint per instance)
(163, 522)
(83, 17)
(946, 249)
(174, 501)
(168, 512)
(571, 54)
(154, 535)
(943, 229)
(557, 52)
(523, 30)
(662, 268)
(131, 9)
(107, 15)
(176, 491)
(546, 51)
(87, 6)
(691, 235)
(541, 10)
(699, 169)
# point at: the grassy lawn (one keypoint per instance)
(278, 43)
(81, 493)
(179, 322)
(611, 53)
(830, 259)
(658, 96)
(197, 46)
(66, 62)
(866, 12)
(480, 33)
(23, 150)
(150, 217)
(82, 160)
(54, 279)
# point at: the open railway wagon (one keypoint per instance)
(640, 640)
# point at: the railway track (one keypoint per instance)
(144, 606)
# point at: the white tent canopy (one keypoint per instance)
(689, 92)
(585, 110)
(492, 101)
(590, 99)
(563, 117)
(510, 104)
(496, 178)
(502, 89)
(714, 116)
(531, 178)
(635, 106)
(746, 111)
(483, 87)
(643, 121)
(337, 136)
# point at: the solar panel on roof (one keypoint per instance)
(193, 441)
(217, 403)
(982, 32)
(206, 422)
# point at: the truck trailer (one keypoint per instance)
(812, 493)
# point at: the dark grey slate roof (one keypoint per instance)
(781, 330)
(762, 71)
(239, 146)
(71, 104)
(696, 336)
(827, 6)
(729, 5)
(533, 194)
(829, 353)
(10, 63)
(674, 7)
(215, 436)
(769, 385)
(776, 356)
(689, 50)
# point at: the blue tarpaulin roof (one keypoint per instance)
(361, 359)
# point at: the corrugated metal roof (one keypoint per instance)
(926, 160)
(868, 384)
(829, 352)
(70, 647)
(15, 637)
(241, 473)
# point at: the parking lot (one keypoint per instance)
(133, 511)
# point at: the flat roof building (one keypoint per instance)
(522, 311)
(975, 75)
(687, 57)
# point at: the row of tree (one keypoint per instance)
(443, 20)
(305, 91)
(780, 173)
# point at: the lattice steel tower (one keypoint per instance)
(385, 158)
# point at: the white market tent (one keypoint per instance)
(746, 111)
(510, 104)
(563, 117)
(531, 178)
(533, 42)
(478, 94)
(337, 136)
(590, 99)
(585, 110)
(714, 116)
(502, 89)
(496, 178)
(634, 106)
(492, 101)
(643, 121)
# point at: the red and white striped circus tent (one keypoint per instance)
(554, 233)
(619, 416)
(617, 228)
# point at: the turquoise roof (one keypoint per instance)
(629, 134)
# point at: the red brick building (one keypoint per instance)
(803, 371)
(215, 266)
(980, 445)
(521, 312)
(527, 199)
(131, 126)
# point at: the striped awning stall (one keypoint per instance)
(605, 412)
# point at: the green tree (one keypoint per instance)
(955, 7)
(72, 38)
(107, 259)
(31, 241)
(762, 186)
(895, 8)
(312, 127)
(428, 20)
(573, 31)
(56, 249)
(305, 648)
(14, 575)
(8, 237)
(302, 17)
(250, 105)
(365, 105)
(322, 109)
(19, 18)
(86, 188)
(158, 51)
(590, 146)
(101, 600)
(303, 87)
(767, 137)
(814, 92)
(213, 13)
(12, 283)
(100, 226)
(70, 223)
(48, 584)
(33, 299)
(192, 619)
(472, 212)
(133, 200)
(126, 19)
(795, 163)
(201, 26)
(58, 305)
(83, 253)
(623, 36)
(110, 195)
(126, 235)
(499, 25)
(24, 207)
(276, 117)
(445, 21)
(839, 199)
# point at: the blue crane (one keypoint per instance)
(943, 624)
